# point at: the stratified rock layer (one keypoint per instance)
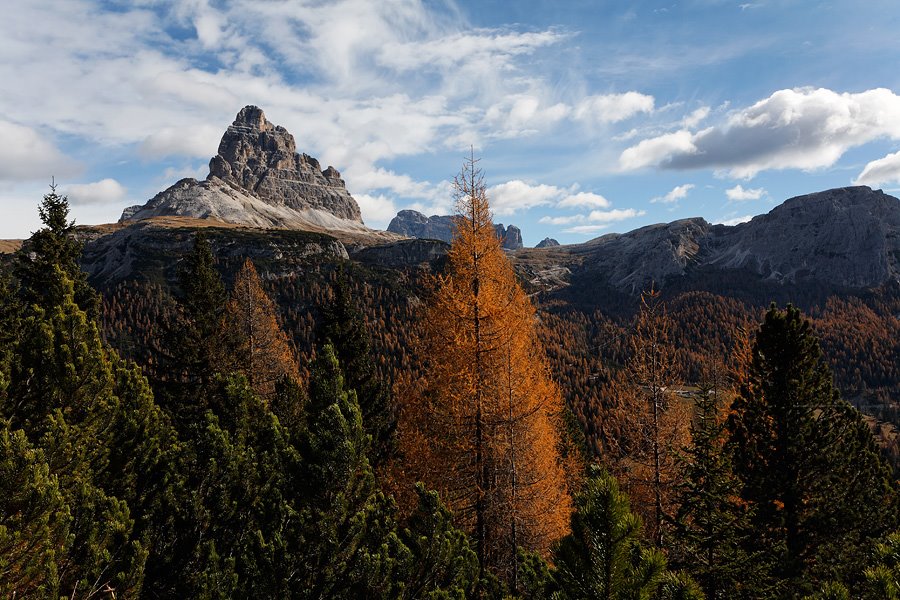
(547, 243)
(258, 179)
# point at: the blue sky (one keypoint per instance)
(589, 117)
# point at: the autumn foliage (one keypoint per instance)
(254, 344)
(483, 425)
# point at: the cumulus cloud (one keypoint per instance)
(679, 192)
(739, 194)
(376, 210)
(197, 142)
(524, 114)
(612, 108)
(594, 221)
(512, 196)
(657, 150)
(105, 191)
(696, 117)
(801, 128)
(588, 199)
(881, 171)
(26, 155)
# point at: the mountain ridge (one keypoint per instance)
(258, 179)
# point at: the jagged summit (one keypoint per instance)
(258, 179)
(412, 223)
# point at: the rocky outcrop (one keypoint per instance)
(152, 250)
(405, 253)
(412, 223)
(511, 237)
(258, 179)
(846, 236)
(842, 238)
(547, 243)
(632, 262)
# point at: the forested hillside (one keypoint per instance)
(223, 427)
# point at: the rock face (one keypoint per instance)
(547, 243)
(511, 236)
(845, 237)
(258, 179)
(412, 223)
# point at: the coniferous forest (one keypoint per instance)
(430, 433)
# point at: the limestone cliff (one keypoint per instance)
(258, 179)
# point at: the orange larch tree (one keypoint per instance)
(649, 421)
(254, 344)
(484, 424)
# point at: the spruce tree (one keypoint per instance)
(344, 327)
(807, 462)
(54, 245)
(203, 302)
(712, 525)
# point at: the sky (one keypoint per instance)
(588, 117)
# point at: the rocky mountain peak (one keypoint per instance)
(253, 117)
(414, 224)
(257, 178)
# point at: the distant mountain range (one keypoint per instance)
(412, 223)
(845, 238)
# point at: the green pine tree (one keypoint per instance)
(192, 341)
(348, 525)
(35, 520)
(344, 327)
(441, 561)
(807, 462)
(62, 394)
(54, 245)
(603, 558)
(712, 524)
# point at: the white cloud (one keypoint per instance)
(613, 108)
(26, 155)
(880, 171)
(521, 115)
(616, 214)
(586, 229)
(200, 141)
(739, 194)
(105, 191)
(377, 211)
(513, 196)
(565, 220)
(695, 118)
(678, 193)
(656, 150)
(801, 128)
(579, 199)
(736, 220)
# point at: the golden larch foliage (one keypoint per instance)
(254, 344)
(647, 420)
(483, 426)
